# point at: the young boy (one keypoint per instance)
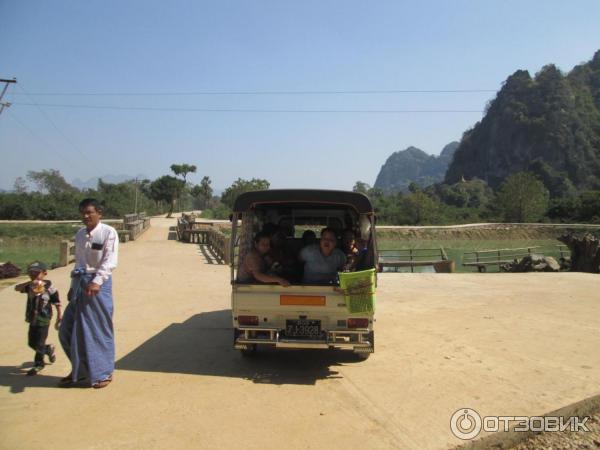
(41, 295)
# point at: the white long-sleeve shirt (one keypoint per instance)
(97, 251)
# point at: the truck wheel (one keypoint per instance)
(362, 356)
(249, 352)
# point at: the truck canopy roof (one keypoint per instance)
(250, 200)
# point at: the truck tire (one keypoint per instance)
(362, 356)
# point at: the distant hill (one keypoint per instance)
(548, 124)
(92, 183)
(414, 165)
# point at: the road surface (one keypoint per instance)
(501, 344)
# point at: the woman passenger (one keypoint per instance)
(254, 265)
(323, 260)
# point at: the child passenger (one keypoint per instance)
(41, 295)
(353, 249)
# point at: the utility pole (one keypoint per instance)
(136, 195)
(6, 83)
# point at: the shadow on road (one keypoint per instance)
(203, 345)
(209, 255)
(16, 379)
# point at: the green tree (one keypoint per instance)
(20, 185)
(202, 192)
(166, 189)
(413, 187)
(523, 198)
(361, 187)
(182, 170)
(50, 181)
(206, 189)
(118, 198)
(240, 186)
(589, 210)
(196, 193)
(419, 209)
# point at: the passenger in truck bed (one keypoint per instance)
(308, 237)
(322, 261)
(280, 260)
(254, 266)
(354, 249)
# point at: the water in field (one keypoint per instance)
(418, 269)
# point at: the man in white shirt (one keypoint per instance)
(86, 332)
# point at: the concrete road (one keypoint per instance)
(502, 344)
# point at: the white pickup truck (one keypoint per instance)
(302, 315)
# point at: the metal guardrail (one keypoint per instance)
(483, 258)
(415, 257)
(565, 251)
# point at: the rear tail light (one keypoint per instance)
(358, 323)
(248, 320)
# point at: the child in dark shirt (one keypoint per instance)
(41, 295)
(354, 249)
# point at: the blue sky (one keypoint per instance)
(141, 47)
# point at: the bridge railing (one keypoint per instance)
(219, 243)
(132, 226)
(66, 253)
(191, 230)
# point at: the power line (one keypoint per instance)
(253, 110)
(322, 92)
(64, 136)
(31, 132)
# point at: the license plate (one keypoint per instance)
(303, 328)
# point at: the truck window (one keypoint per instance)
(287, 226)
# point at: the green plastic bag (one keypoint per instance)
(359, 291)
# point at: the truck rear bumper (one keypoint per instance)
(360, 341)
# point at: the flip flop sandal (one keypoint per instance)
(67, 382)
(103, 383)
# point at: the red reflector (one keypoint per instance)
(248, 320)
(358, 323)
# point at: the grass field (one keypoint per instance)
(22, 244)
(24, 253)
(455, 248)
(34, 231)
